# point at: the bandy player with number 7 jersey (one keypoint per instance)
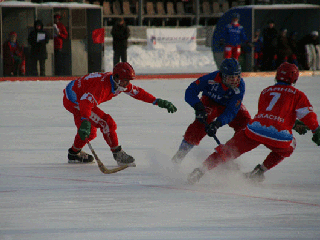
(278, 108)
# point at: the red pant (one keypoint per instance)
(240, 144)
(232, 51)
(98, 119)
(196, 130)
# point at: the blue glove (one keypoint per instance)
(84, 130)
(201, 114)
(316, 137)
(211, 129)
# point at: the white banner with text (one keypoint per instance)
(183, 39)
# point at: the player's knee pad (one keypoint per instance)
(107, 124)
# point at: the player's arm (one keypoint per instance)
(192, 97)
(230, 111)
(142, 95)
(306, 114)
(192, 92)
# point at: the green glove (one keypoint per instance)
(166, 104)
(300, 127)
(316, 136)
(84, 130)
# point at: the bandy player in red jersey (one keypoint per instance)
(81, 98)
(278, 108)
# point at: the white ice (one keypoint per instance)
(44, 197)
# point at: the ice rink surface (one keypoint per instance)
(44, 197)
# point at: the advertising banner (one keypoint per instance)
(183, 39)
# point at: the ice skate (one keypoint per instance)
(195, 176)
(79, 157)
(123, 158)
(179, 156)
(182, 152)
(256, 175)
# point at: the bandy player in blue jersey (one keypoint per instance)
(220, 104)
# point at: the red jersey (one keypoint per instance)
(95, 88)
(63, 34)
(278, 108)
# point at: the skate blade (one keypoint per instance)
(77, 162)
(127, 164)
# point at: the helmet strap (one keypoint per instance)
(118, 87)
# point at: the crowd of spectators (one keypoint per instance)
(14, 57)
(273, 47)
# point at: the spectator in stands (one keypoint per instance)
(284, 51)
(293, 43)
(310, 51)
(269, 35)
(60, 33)
(13, 57)
(38, 40)
(257, 44)
(232, 38)
(120, 33)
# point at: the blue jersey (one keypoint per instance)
(211, 86)
(234, 35)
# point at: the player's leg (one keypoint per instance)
(196, 130)
(236, 51)
(276, 156)
(233, 148)
(75, 153)
(108, 128)
(227, 51)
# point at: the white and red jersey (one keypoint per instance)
(95, 88)
(278, 108)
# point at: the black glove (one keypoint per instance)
(201, 114)
(300, 127)
(211, 129)
(316, 136)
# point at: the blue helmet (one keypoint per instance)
(230, 67)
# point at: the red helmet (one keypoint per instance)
(124, 70)
(288, 73)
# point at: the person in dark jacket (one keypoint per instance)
(293, 43)
(269, 36)
(120, 33)
(284, 52)
(38, 40)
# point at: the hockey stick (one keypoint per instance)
(217, 140)
(214, 136)
(102, 168)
